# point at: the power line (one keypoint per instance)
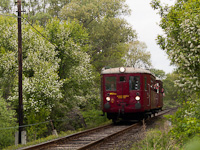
(32, 27)
(9, 15)
(25, 125)
(39, 32)
(29, 125)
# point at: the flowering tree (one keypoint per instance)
(75, 69)
(57, 74)
(41, 84)
(181, 41)
(40, 80)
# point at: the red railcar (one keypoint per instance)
(130, 93)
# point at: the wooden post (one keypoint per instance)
(20, 107)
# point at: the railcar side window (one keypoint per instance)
(156, 87)
(145, 83)
(152, 83)
(110, 83)
(134, 83)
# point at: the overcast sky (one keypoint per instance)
(145, 21)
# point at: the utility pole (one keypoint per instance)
(20, 107)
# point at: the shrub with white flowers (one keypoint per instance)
(57, 74)
(41, 83)
(181, 40)
(75, 68)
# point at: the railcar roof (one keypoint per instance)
(158, 79)
(127, 70)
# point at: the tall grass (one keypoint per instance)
(156, 139)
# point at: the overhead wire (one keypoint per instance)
(28, 125)
(32, 27)
(9, 16)
(24, 125)
(39, 32)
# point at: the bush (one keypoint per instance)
(93, 117)
(6, 120)
(193, 144)
(186, 121)
(170, 104)
(40, 130)
(156, 139)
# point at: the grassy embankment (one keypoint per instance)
(92, 119)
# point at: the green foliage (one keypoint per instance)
(170, 104)
(61, 134)
(6, 120)
(37, 131)
(41, 17)
(8, 59)
(186, 120)
(5, 6)
(193, 144)
(58, 78)
(71, 41)
(137, 56)
(41, 85)
(108, 33)
(93, 117)
(158, 73)
(162, 139)
(55, 79)
(54, 6)
(156, 139)
(48, 8)
(91, 12)
(75, 69)
(171, 91)
(181, 26)
(40, 79)
(35, 11)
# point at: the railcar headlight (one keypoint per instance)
(108, 99)
(122, 69)
(137, 98)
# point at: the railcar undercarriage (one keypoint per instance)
(132, 116)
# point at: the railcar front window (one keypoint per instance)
(122, 79)
(110, 83)
(134, 83)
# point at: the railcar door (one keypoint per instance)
(160, 94)
(153, 94)
(146, 93)
(123, 91)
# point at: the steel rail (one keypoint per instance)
(101, 141)
(55, 142)
(72, 136)
(93, 144)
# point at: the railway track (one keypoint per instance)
(89, 139)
